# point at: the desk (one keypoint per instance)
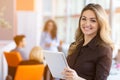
(4, 46)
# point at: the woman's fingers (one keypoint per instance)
(68, 74)
(68, 77)
(68, 70)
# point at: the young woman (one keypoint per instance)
(49, 40)
(90, 56)
(35, 57)
(37, 54)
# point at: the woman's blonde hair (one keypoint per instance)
(36, 54)
(104, 28)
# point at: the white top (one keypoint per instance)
(46, 39)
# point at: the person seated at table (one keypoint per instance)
(35, 57)
(20, 41)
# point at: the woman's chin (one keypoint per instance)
(87, 33)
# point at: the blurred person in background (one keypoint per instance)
(35, 56)
(49, 40)
(20, 41)
(117, 59)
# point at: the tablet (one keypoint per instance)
(56, 62)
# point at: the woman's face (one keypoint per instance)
(50, 26)
(88, 23)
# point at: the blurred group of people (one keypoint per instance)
(48, 41)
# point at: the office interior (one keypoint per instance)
(28, 17)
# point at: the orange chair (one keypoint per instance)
(29, 72)
(23, 72)
(13, 58)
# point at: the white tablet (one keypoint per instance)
(56, 62)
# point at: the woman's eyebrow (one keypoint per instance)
(89, 18)
(83, 16)
(93, 18)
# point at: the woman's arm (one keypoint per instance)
(103, 64)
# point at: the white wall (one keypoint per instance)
(7, 15)
(28, 25)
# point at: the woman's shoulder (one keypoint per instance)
(104, 49)
(103, 46)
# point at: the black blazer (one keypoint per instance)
(92, 61)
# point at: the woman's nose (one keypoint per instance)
(87, 23)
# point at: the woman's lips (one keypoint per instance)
(87, 28)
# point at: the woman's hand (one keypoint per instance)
(70, 74)
(48, 44)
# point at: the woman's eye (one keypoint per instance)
(83, 19)
(93, 20)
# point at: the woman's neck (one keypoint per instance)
(87, 39)
(49, 31)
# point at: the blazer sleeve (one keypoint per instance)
(103, 64)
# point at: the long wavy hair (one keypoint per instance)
(53, 32)
(104, 28)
